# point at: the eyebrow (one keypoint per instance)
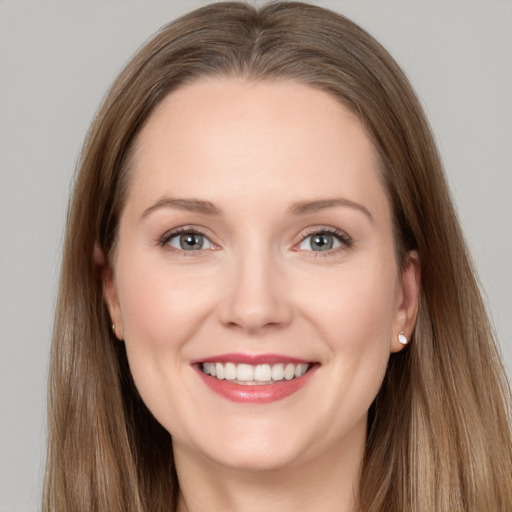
(189, 205)
(307, 207)
(298, 208)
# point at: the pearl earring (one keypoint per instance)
(402, 338)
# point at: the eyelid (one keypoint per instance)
(345, 240)
(164, 239)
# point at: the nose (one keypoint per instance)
(256, 299)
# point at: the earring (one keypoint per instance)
(402, 338)
(114, 328)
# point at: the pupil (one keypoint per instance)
(191, 241)
(322, 242)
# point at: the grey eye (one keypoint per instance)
(190, 242)
(320, 242)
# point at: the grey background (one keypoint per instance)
(57, 59)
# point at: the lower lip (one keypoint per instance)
(260, 394)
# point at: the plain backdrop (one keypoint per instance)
(57, 59)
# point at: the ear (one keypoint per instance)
(407, 312)
(109, 291)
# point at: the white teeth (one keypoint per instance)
(289, 371)
(263, 373)
(246, 373)
(301, 370)
(278, 371)
(219, 370)
(230, 371)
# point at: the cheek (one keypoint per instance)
(154, 316)
(162, 309)
(354, 312)
(159, 305)
(145, 301)
(355, 306)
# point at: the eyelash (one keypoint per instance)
(184, 230)
(342, 237)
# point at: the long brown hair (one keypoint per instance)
(438, 433)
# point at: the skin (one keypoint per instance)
(254, 150)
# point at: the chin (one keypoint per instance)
(265, 450)
(256, 460)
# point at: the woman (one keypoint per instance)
(266, 301)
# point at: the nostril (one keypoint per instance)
(254, 326)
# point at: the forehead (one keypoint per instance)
(221, 137)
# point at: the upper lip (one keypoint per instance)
(253, 359)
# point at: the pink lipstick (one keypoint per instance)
(255, 378)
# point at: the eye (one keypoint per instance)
(189, 241)
(323, 241)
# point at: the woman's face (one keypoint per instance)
(256, 244)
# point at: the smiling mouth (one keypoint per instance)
(255, 379)
(254, 375)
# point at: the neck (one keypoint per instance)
(326, 483)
